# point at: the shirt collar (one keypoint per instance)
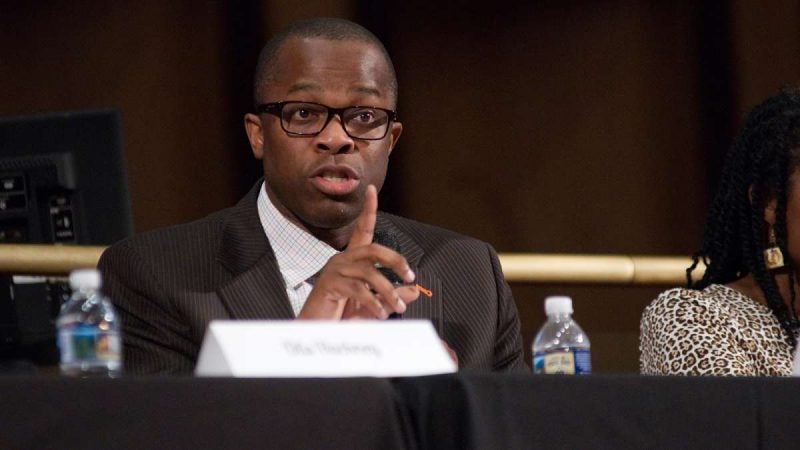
(299, 254)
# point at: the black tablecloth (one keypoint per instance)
(463, 411)
(176, 413)
(475, 411)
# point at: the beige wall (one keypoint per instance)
(570, 126)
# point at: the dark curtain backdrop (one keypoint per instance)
(572, 126)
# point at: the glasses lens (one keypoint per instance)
(366, 123)
(303, 118)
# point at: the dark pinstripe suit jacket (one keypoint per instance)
(168, 284)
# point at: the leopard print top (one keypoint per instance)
(716, 331)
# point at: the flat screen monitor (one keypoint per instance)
(62, 181)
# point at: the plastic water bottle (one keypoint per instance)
(561, 346)
(88, 330)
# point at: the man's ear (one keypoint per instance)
(255, 134)
(394, 134)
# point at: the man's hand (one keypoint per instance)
(349, 286)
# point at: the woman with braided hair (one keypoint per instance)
(741, 318)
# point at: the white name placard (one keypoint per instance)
(286, 348)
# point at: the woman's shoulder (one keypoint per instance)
(713, 297)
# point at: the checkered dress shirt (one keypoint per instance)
(300, 255)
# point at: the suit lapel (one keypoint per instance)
(258, 293)
(257, 289)
(425, 307)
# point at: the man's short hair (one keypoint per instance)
(328, 28)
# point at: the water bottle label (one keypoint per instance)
(88, 343)
(108, 347)
(583, 361)
(569, 362)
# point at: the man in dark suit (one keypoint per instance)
(300, 243)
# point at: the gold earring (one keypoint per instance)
(773, 256)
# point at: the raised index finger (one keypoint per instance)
(365, 223)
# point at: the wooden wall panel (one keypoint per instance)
(766, 44)
(557, 128)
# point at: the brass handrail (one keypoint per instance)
(34, 259)
(596, 269)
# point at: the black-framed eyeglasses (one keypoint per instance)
(309, 119)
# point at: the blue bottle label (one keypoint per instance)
(83, 342)
(88, 343)
(563, 361)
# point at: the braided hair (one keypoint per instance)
(756, 171)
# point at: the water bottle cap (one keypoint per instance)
(557, 304)
(85, 278)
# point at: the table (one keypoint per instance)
(483, 411)
(185, 412)
(460, 411)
